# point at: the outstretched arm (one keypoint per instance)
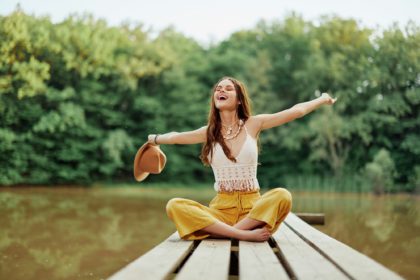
(189, 137)
(299, 110)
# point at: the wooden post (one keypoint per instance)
(312, 218)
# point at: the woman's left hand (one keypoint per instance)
(328, 99)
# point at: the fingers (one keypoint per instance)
(328, 98)
(331, 100)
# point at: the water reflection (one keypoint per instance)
(82, 234)
(90, 233)
(385, 228)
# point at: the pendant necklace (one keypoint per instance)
(229, 135)
(229, 129)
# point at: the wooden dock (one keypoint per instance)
(295, 251)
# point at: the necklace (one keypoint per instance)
(229, 128)
(228, 135)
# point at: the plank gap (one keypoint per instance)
(182, 263)
(279, 254)
(234, 260)
(322, 253)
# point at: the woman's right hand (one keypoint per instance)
(151, 139)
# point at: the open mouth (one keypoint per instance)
(222, 98)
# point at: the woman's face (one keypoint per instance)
(225, 97)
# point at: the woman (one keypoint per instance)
(230, 147)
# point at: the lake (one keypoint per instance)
(89, 233)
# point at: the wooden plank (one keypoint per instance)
(159, 262)
(210, 260)
(352, 262)
(258, 261)
(305, 261)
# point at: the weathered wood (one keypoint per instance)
(312, 218)
(258, 261)
(300, 252)
(305, 262)
(159, 262)
(210, 260)
(353, 263)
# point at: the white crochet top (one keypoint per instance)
(240, 176)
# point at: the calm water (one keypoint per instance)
(91, 233)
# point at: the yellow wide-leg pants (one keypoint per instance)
(190, 217)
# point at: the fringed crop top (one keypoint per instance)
(240, 176)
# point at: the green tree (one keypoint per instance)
(381, 172)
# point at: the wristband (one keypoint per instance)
(156, 136)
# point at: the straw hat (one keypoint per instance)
(149, 159)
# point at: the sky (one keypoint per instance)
(212, 21)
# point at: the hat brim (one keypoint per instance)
(140, 175)
(149, 159)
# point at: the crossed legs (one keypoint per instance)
(195, 221)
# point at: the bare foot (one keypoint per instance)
(259, 234)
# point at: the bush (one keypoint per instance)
(381, 172)
(414, 180)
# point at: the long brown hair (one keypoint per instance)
(214, 123)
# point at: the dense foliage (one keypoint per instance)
(77, 98)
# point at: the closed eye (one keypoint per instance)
(228, 88)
